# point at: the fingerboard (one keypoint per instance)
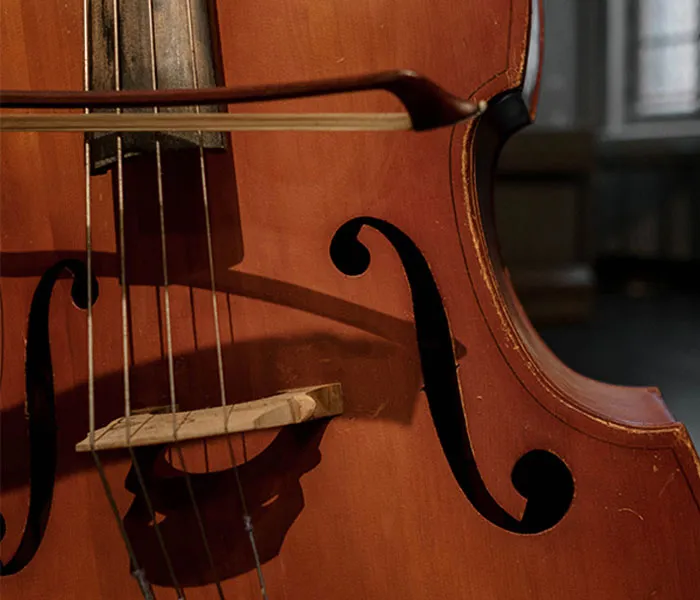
(178, 37)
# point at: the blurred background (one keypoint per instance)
(598, 204)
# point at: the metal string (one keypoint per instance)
(137, 468)
(136, 570)
(247, 519)
(88, 230)
(168, 321)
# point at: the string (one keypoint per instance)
(247, 519)
(138, 573)
(88, 230)
(159, 172)
(168, 320)
(136, 569)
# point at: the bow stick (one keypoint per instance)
(427, 105)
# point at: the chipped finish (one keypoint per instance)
(364, 505)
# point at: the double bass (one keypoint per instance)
(286, 360)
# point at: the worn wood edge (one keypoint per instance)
(668, 435)
(506, 332)
(287, 408)
(515, 349)
(546, 389)
(145, 122)
(568, 409)
(688, 459)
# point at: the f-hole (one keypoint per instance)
(539, 476)
(40, 409)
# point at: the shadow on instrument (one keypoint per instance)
(237, 283)
(274, 500)
(272, 478)
(344, 360)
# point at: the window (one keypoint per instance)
(653, 69)
(667, 58)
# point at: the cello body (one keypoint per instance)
(468, 461)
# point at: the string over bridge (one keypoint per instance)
(288, 408)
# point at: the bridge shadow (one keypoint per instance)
(197, 384)
(380, 374)
(273, 496)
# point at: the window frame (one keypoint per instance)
(621, 79)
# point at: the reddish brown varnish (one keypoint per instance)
(365, 505)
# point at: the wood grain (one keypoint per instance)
(365, 506)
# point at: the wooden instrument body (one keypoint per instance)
(365, 505)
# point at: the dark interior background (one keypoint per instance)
(598, 204)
